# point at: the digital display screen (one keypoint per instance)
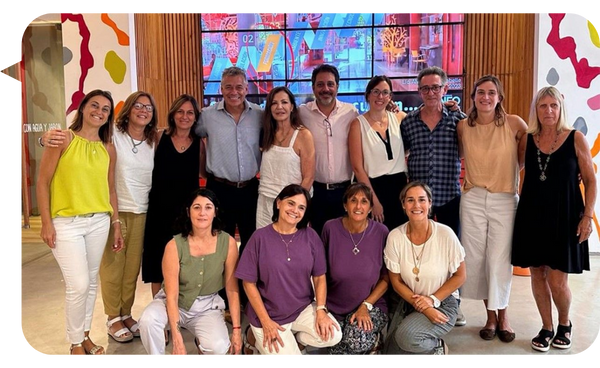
(283, 49)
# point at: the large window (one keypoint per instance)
(283, 49)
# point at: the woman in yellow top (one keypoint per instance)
(78, 202)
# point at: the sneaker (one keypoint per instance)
(441, 349)
(460, 318)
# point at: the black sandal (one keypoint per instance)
(562, 340)
(542, 341)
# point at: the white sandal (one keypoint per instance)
(135, 328)
(123, 335)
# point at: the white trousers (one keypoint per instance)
(264, 211)
(486, 221)
(302, 330)
(204, 320)
(79, 246)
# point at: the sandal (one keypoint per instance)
(197, 343)
(95, 350)
(562, 340)
(122, 335)
(134, 328)
(542, 341)
(73, 346)
(248, 348)
(506, 336)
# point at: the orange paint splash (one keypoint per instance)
(122, 37)
(596, 147)
(119, 107)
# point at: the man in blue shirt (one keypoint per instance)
(232, 131)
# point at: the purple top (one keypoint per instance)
(351, 278)
(284, 286)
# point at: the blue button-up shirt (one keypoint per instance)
(433, 154)
(232, 150)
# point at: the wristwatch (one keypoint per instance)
(322, 307)
(436, 301)
(368, 305)
(40, 142)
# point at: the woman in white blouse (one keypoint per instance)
(426, 266)
(377, 152)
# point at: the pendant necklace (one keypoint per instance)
(356, 250)
(279, 142)
(287, 250)
(417, 259)
(543, 176)
(135, 145)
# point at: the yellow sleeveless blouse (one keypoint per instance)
(80, 183)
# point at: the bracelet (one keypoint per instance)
(236, 327)
(40, 142)
(117, 220)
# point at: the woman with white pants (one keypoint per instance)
(77, 199)
(488, 139)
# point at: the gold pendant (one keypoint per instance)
(417, 279)
(416, 270)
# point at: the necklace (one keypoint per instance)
(376, 121)
(543, 176)
(135, 145)
(287, 249)
(356, 250)
(417, 259)
(279, 142)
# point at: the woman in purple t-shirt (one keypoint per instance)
(355, 242)
(277, 267)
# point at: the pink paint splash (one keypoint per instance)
(594, 102)
(87, 60)
(566, 48)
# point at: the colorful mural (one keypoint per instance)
(99, 62)
(569, 59)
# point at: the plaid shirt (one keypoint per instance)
(433, 157)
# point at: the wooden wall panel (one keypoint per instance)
(503, 45)
(168, 58)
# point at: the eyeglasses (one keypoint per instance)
(384, 93)
(435, 88)
(139, 106)
(328, 127)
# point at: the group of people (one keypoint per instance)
(117, 196)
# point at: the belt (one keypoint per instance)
(332, 186)
(236, 184)
(88, 215)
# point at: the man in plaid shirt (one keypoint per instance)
(429, 135)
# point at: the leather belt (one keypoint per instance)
(332, 186)
(235, 184)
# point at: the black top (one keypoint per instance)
(174, 178)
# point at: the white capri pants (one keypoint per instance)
(264, 211)
(487, 221)
(204, 320)
(302, 330)
(80, 242)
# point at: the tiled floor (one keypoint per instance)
(42, 309)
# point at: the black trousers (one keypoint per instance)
(448, 214)
(326, 204)
(237, 209)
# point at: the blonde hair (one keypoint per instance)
(534, 122)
